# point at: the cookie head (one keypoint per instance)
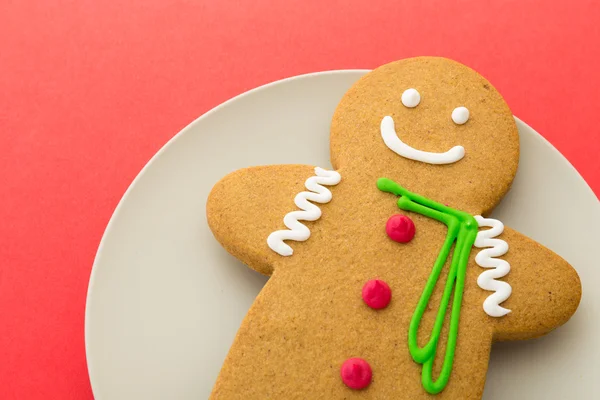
(433, 124)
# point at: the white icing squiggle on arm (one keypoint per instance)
(487, 259)
(310, 212)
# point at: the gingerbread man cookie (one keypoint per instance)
(387, 280)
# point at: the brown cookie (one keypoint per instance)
(322, 328)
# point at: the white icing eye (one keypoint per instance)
(411, 98)
(460, 115)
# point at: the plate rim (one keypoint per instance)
(190, 126)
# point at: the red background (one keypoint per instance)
(90, 91)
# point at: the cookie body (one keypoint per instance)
(311, 316)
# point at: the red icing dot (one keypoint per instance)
(376, 293)
(400, 228)
(356, 373)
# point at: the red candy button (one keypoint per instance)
(376, 293)
(400, 228)
(356, 373)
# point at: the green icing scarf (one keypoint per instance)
(462, 230)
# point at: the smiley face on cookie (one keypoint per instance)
(399, 120)
(386, 281)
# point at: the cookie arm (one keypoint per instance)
(246, 206)
(546, 290)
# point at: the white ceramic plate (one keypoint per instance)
(165, 300)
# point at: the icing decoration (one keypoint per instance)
(310, 212)
(499, 268)
(400, 228)
(460, 115)
(462, 230)
(393, 142)
(411, 98)
(356, 373)
(376, 294)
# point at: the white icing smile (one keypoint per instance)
(393, 142)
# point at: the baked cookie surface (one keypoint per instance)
(404, 122)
